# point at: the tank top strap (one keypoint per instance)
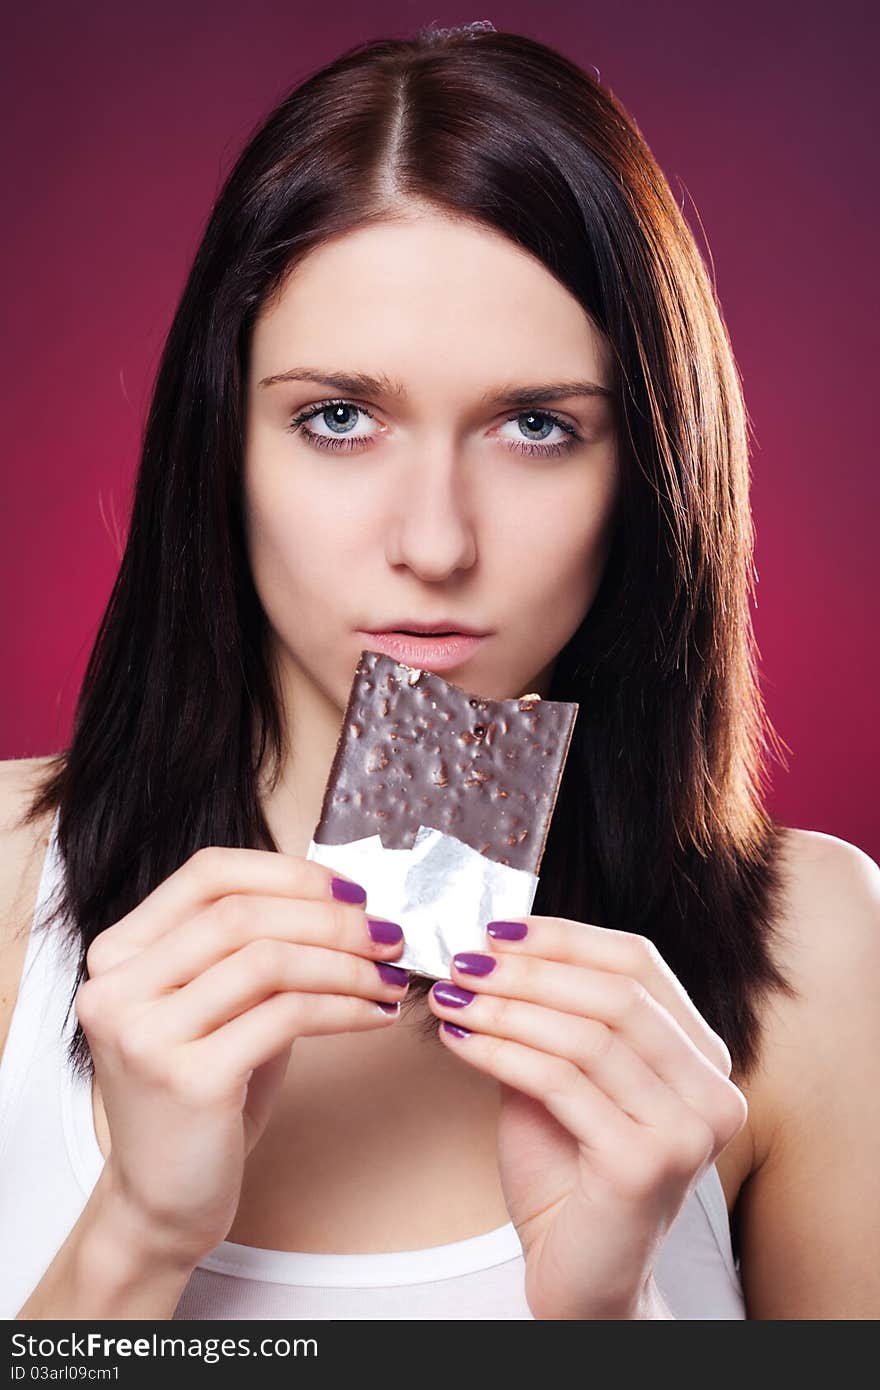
(43, 990)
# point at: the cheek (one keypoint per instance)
(307, 553)
(560, 556)
(297, 504)
(293, 543)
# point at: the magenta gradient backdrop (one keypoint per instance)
(121, 123)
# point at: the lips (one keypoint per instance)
(441, 627)
(430, 651)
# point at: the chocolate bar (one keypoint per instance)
(415, 750)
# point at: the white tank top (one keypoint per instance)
(50, 1161)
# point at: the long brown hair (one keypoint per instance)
(660, 827)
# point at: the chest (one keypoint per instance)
(369, 1195)
(368, 1171)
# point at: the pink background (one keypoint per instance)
(126, 119)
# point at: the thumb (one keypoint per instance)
(262, 1093)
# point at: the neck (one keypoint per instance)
(313, 722)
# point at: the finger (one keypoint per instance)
(615, 953)
(257, 971)
(249, 1040)
(579, 1105)
(617, 1000)
(233, 922)
(207, 875)
(605, 1057)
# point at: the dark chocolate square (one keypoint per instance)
(416, 750)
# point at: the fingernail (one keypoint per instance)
(389, 1008)
(392, 974)
(447, 993)
(386, 933)
(472, 963)
(454, 1029)
(344, 891)
(507, 931)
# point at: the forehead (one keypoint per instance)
(428, 293)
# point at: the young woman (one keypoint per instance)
(447, 357)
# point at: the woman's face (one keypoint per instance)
(440, 501)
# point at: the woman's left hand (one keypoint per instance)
(615, 1100)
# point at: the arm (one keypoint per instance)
(108, 1268)
(809, 1216)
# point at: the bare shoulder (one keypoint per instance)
(22, 847)
(827, 917)
(805, 1208)
(830, 925)
(824, 862)
(827, 945)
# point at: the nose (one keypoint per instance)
(431, 526)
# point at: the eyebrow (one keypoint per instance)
(362, 383)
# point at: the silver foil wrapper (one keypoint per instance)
(441, 892)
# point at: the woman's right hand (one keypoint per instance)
(194, 1001)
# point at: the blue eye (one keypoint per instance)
(341, 436)
(330, 408)
(548, 419)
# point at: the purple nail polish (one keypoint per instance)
(386, 933)
(507, 931)
(454, 1029)
(346, 892)
(446, 993)
(389, 1008)
(472, 963)
(392, 974)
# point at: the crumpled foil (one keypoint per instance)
(441, 892)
